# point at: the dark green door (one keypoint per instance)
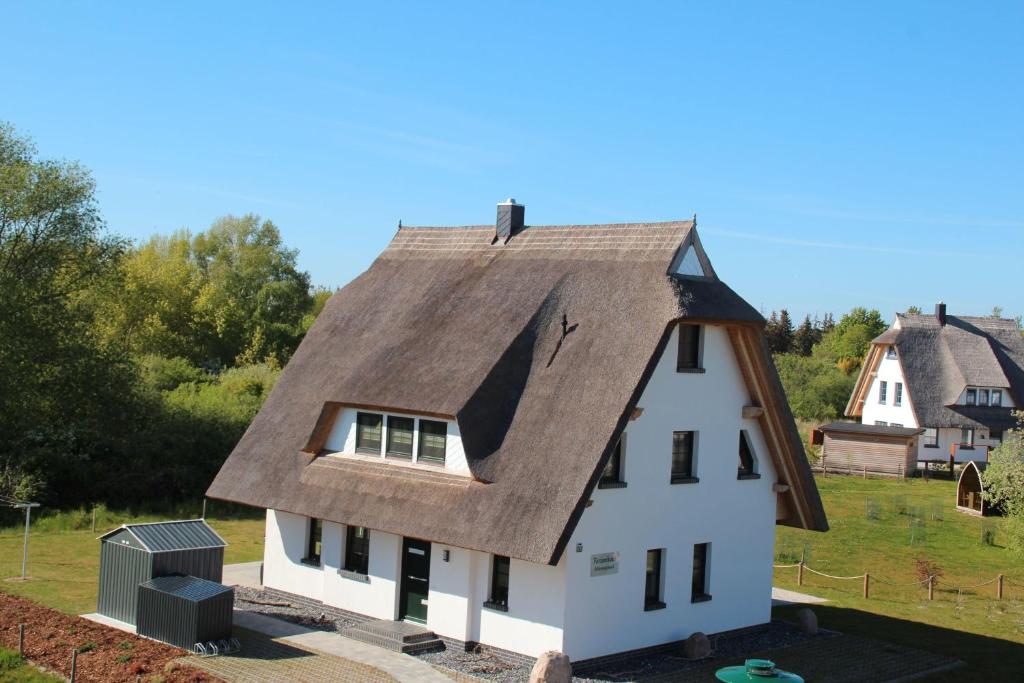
(415, 580)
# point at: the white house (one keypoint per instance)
(531, 438)
(958, 378)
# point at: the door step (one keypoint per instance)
(397, 636)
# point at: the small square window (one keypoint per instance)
(652, 580)
(683, 449)
(890, 352)
(400, 436)
(433, 437)
(368, 432)
(314, 536)
(688, 356)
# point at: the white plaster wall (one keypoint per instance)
(342, 438)
(283, 549)
(949, 437)
(890, 371)
(378, 596)
(605, 614)
(450, 597)
(535, 618)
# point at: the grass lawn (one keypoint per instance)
(882, 526)
(64, 555)
(14, 670)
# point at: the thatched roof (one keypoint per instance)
(940, 361)
(446, 323)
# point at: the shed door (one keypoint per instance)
(412, 603)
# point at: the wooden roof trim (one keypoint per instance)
(784, 443)
(855, 406)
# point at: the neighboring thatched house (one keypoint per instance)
(531, 438)
(958, 378)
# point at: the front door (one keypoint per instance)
(412, 604)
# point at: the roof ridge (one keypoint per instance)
(621, 224)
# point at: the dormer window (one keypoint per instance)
(997, 397)
(983, 397)
(688, 355)
(400, 436)
(972, 397)
(432, 441)
(748, 462)
(368, 432)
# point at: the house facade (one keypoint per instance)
(958, 378)
(557, 438)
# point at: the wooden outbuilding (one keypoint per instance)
(855, 448)
(970, 491)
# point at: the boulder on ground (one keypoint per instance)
(807, 620)
(551, 667)
(697, 646)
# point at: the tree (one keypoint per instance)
(913, 310)
(1004, 476)
(63, 388)
(779, 332)
(816, 388)
(848, 342)
(806, 336)
(997, 312)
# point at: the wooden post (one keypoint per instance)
(204, 509)
(931, 587)
(867, 583)
(74, 663)
(21, 640)
(800, 573)
(94, 517)
(865, 471)
(999, 587)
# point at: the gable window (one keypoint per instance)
(997, 397)
(683, 444)
(972, 397)
(400, 436)
(611, 475)
(368, 432)
(883, 389)
(357, 550)
(314, 535)
(931, 438)
(966, 438)
(699, 586)
(881, 423)
(652, 581)
(433, 435)
(499, 583)
(890, 352)
(688, 356)
(983, 397)
(748, 463)
(897, 395)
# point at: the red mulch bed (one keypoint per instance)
(50, 636)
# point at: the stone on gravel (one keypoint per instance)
(697, 646)
(807, 620)
(552, 667)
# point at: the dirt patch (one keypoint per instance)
(105, 654)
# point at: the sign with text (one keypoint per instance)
(603, 564)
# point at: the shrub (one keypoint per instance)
(88, 647)
(925, 568)
(123, 659)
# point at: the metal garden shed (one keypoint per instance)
(184, 610)
(136, 553)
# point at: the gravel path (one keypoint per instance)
(258, 600)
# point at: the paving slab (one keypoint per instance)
(781, 596)
(242, 574)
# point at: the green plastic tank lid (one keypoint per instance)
(756, 670)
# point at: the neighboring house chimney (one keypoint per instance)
(510, 220)
(940, 313)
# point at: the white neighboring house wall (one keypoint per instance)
(563, 607)
(606, 613)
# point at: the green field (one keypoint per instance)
(63, 563)
(882, 527)
(13, 669)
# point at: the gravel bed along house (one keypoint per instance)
(259, 600)
(488, 667)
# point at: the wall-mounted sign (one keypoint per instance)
(604, 563)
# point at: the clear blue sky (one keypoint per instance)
(836, 153)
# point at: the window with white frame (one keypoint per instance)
(890, 352)
(930, 438)
(972, 397)
(883, 389)
(967, 438)
(982, 397)
(997, 397)
(881, 423)
(897, 394)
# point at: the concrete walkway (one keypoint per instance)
(402, 667)
(242, 574)
(781, 596)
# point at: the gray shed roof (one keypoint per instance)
(157, 537)
(188, 587)
(940, 361)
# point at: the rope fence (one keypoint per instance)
(866, 578)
